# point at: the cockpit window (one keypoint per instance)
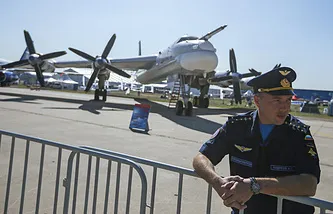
(187, 38)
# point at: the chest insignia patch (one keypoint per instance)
(243, 148)
(308, 137)
(311, 152)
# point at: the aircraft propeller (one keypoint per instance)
(235, 76)
(34, 59)
(100, 62)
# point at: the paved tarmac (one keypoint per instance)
(74, 119)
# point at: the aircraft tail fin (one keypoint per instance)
(25, 54)
(140, 48)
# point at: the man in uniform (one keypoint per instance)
(270, 152)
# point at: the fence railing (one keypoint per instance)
(158, 166)
(36, 163)
(321, 204)
(30, 156)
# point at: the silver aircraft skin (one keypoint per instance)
(188, 55)
(189, 59)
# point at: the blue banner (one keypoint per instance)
(139, 120)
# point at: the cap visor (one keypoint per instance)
(282, 92)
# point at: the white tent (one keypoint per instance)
(68, 81)
(49, 80)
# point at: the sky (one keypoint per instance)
(297, 33)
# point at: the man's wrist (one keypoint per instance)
(217, 181)
(254, 186)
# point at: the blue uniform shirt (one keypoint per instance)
(265, 130)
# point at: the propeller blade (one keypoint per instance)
(117, 71)
(108, 47)
(29, 42)
(39, 74)
(16, 64)
(210, 34)
(255, 72)
(82, 54)
(232, 60)
(52, 55)
(237, 92)
(277, 66)
(92, 79)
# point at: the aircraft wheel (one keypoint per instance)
(96, 94)
(206, 102)
(195, 101)
(104, 95)
(179, 107)
(189, 109)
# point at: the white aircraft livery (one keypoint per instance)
(190, 60)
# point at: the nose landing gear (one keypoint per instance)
(100, 92)
(187, 109)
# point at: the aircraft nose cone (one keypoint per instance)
(200, 60)
(207, 46)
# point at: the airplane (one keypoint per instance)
(232, 77)
(8, 76)
(34, 60)
(190, 60)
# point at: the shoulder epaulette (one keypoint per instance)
(240, 118)
(297, 125)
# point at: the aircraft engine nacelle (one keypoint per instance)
(2, 77)
(8, 77)
(47, 67)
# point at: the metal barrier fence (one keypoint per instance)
(29, 155)
(71, 200)
(158, 165)
(323, 205)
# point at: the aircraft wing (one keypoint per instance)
(248, 75)
(134, 63)
(19, 70)
(220, 78)
(73, 64)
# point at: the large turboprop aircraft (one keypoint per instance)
(232, 77)
(34, 60)
(189, 60)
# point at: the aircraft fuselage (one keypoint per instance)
(192, 57)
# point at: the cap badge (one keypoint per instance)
(285, 83)
(285, 72)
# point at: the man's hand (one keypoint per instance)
(238, 194)
(221, 185)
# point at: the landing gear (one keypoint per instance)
(183, 105)
(100, 92)
(188, 110)
(204, 103)
(179, 107)
(96, 97)
(195, 101)
(201, 102)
